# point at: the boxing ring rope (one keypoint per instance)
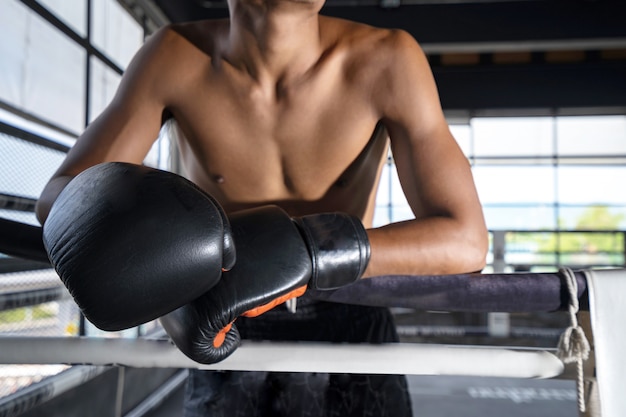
(603, 293)
(419, 292)
(18, 299)
(519, 292)
(393, 358)
(508, 292)
(22, 240)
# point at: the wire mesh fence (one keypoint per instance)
(33, 301)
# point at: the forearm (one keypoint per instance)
(430, 246)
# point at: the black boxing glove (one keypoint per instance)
(338, 246)
(277, 259)
(132, 243)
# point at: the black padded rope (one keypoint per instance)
(22, 240)
(17, 299)
(514, 292)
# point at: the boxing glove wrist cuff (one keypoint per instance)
(339, 248)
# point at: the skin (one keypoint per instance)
(280, 105)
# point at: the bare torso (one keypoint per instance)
(258, 181)
(296, 109)
(312, 144)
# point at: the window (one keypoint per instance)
(114, 32)
(53, 79)
(42, 72)
(391, 205)
(549, 183)
(523, 137)
(104, 83)
(71, 12)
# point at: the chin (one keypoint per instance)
(311, 2)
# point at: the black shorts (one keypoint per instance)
(260, 394)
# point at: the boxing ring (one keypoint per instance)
(601, 292)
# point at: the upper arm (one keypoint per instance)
(435, 175)
(127, 128)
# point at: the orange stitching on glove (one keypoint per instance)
(221, 336)
(257, 311)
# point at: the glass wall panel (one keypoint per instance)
(592, 184)
(520, 217)
(159, 155)
(12, 50)
(401, 212)
(592, 217)
(391, 204)
(72, 12)
(396, 194)
(390, 189)
(515, 184)
(383, 197)
(586, 248)
(463, 136)
(581, 249)
(115, 32)
(41, 71)
(104, 83)
(556, 174)
(528, 249)
(382, 216)
(597, 135)
(590, 259)
(513, 136)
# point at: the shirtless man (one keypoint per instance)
(279, 105)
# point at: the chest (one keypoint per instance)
(282, 145)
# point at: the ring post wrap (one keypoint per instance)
(274, 264)
(132, 243)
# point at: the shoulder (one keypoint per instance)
(194, 38)
(375, 42)
(377, 52)
(388, 63)
(175, 53)
(397, 54)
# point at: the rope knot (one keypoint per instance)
(573, 345)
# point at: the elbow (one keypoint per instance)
(477, 249)
(43, 206)
(471, 247)
(477, 261)
(41, 211)
(49, 194)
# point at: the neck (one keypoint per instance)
(274, 39)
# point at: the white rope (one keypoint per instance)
(573, 345)
(392, 358)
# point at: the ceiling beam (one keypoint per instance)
(462, 22)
